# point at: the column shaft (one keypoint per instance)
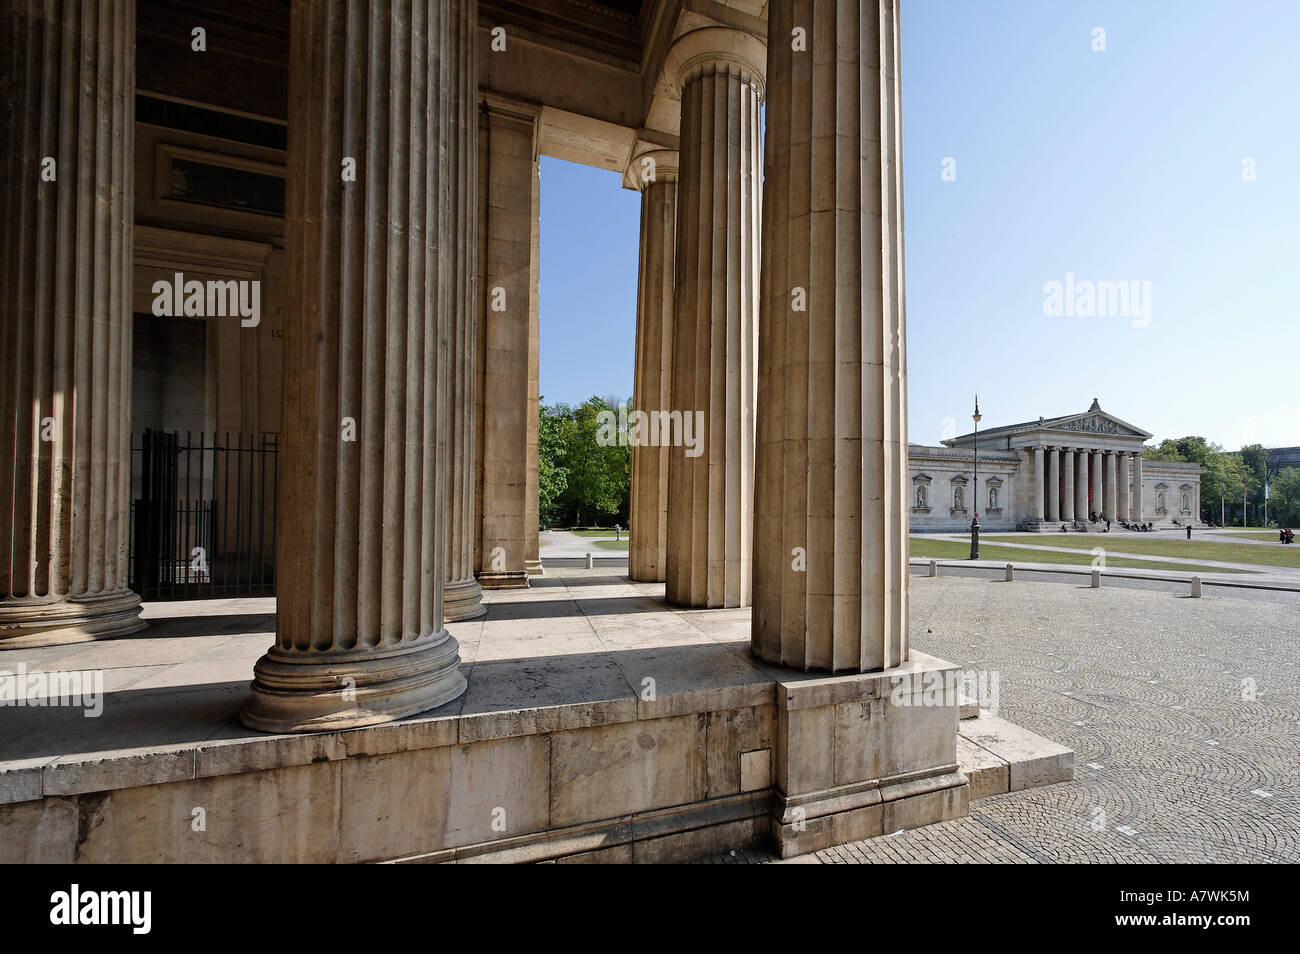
(1109, 495)
(830, 579)
(1125, 506)
(360, 542)
(1081, 458)
(1053, 484)
(1038, 513)
(1094, 503)
(648, 519)
(67, 143)
(510, 184)
(1067, 494)
(463, 597)
(710, 495)
(1137, 487)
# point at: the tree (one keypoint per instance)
(596, 473)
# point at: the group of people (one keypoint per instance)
(1137, 527)
(1285, 536)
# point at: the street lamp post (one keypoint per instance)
(975, 522)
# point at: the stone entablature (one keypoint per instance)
(1095, 459)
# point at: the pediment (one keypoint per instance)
(1099, 422)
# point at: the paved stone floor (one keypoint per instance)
(1174, 761)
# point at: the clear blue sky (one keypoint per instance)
(1122, 165)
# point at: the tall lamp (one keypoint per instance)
(975, 522)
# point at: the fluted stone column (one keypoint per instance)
(830, 562)
(67, 141)
(1137, 487)
(1038, 513)
(360, 546)
(1081, 484)
(1095, 501)
(1053, 484)
(1109, 496)
(510, 184)
(1123, 478)
(655, 173)
(1067, 495)
(710, 496)
(462, 597)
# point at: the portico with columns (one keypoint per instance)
(1073, 470)
(407, 138)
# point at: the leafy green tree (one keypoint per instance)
(596, 464)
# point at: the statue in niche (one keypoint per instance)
(920, 497)
(958, 499)
(993, 498)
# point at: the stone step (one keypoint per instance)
(998, 756)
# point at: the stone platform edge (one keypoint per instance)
(808, 761)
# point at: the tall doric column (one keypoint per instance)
(67, 141)
(1081, 458)
(1125, 506)
(1095, 502)
(1038, 513)
(1053, 484)
(360, 542)
(509, 292)
(710, 495)
(463, 597)
(1137, 487)
(1109, 496)
(830, 570)
(1067, 494)
(655, 174)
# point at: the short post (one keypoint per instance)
(934, 568)
(1096, 579)
(590, 565)
(1009, 572)
(1196, 587)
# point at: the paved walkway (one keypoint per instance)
(1113, 544)
(566, 545)
(1172, 764)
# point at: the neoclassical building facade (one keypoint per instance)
(1085, 467)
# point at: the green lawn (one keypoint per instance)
(953, 550)
(1250, 534)
(611, 544)
(597, 533)
(1205, 548)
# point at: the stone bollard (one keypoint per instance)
(1010, 570)
(1196, 587)
(934, 568)
(590, 564)
(1096, 579)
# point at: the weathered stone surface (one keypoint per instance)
(65, 275)
(1033, 760)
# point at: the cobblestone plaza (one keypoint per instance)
(1174, 761)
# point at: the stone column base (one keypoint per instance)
(534, 567)
(313, 691)
(35, 622)
(866, 754)
(463, 600)
(506, 580)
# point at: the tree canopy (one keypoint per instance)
(582, 480)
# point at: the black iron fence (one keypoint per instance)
(203, 515)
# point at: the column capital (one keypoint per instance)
(695, 53)
(650, 164)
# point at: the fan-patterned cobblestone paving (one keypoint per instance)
(1184, 716)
